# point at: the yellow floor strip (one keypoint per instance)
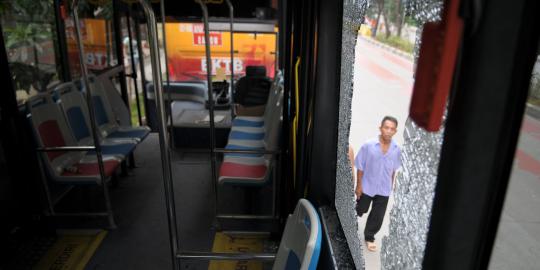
(72, 250)
(226, 243)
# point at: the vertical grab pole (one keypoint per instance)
(210, 101)
(164, 143)
(141, 64)
(231, 19)
(95, 134)
(169, 108)
(133, 67)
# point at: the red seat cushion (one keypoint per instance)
(51, 136)
(242, 171)
(91, 169)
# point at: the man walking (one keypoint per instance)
(376, 163)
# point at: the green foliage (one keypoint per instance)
(28, 10)
(27, 25)
(25, 75)
(396, 42)
(372, 9)
(133, 109)
(534, 89)
(26, 35)
(392, 9)
(411, 21)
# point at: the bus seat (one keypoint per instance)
(241, 134)
(244, 171)
(252, 169)
(75, 110)
(300, 245)
(51, 130)
(232, 146)
(248, 121)
(118, 106)
(107, 120)
(253, 89)
(186, 91)
(258, 121)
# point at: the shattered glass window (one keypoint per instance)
(380, 44)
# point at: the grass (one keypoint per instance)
(534, 91)
(534, 101)
(133, 108)
(396, 42)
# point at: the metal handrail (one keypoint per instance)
(163, 139)
(169, 99)
(245, 151)
(133, 74)
(210, 101)
(224, 256)
(95, 134)
(231, 18)
(66, 149)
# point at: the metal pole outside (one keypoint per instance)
(210, 101)
(141, 64)
(133, 67)
(169, 99)
(231, 18)
(95, 134)
(164, 143)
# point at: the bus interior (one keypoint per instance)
(213, 134)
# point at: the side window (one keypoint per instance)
(517, 243)
(31, 43)
(97, 33)
(398, 172)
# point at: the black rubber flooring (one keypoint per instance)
(141, 240)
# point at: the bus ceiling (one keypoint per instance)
(256, 9)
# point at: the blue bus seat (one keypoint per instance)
(75, 110)
(300, 245)
(51, 130)
(106, 119)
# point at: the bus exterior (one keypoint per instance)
(186, 51)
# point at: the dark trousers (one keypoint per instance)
(376, 216)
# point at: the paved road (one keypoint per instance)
(517, 245)
(382, 86)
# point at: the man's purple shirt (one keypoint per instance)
(377, 167)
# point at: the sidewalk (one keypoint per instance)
(533, 110)
(386, 47)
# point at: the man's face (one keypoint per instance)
(388, 129)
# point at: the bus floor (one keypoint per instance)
(141, 240)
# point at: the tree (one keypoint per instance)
(398, 16)
(24, 36)
(379, 7)
(393, 16)
(27, 26)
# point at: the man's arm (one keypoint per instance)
(358, 190)
(393, 179)
(351, 159)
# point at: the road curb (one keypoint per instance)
(533, 111)
(389, 48)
